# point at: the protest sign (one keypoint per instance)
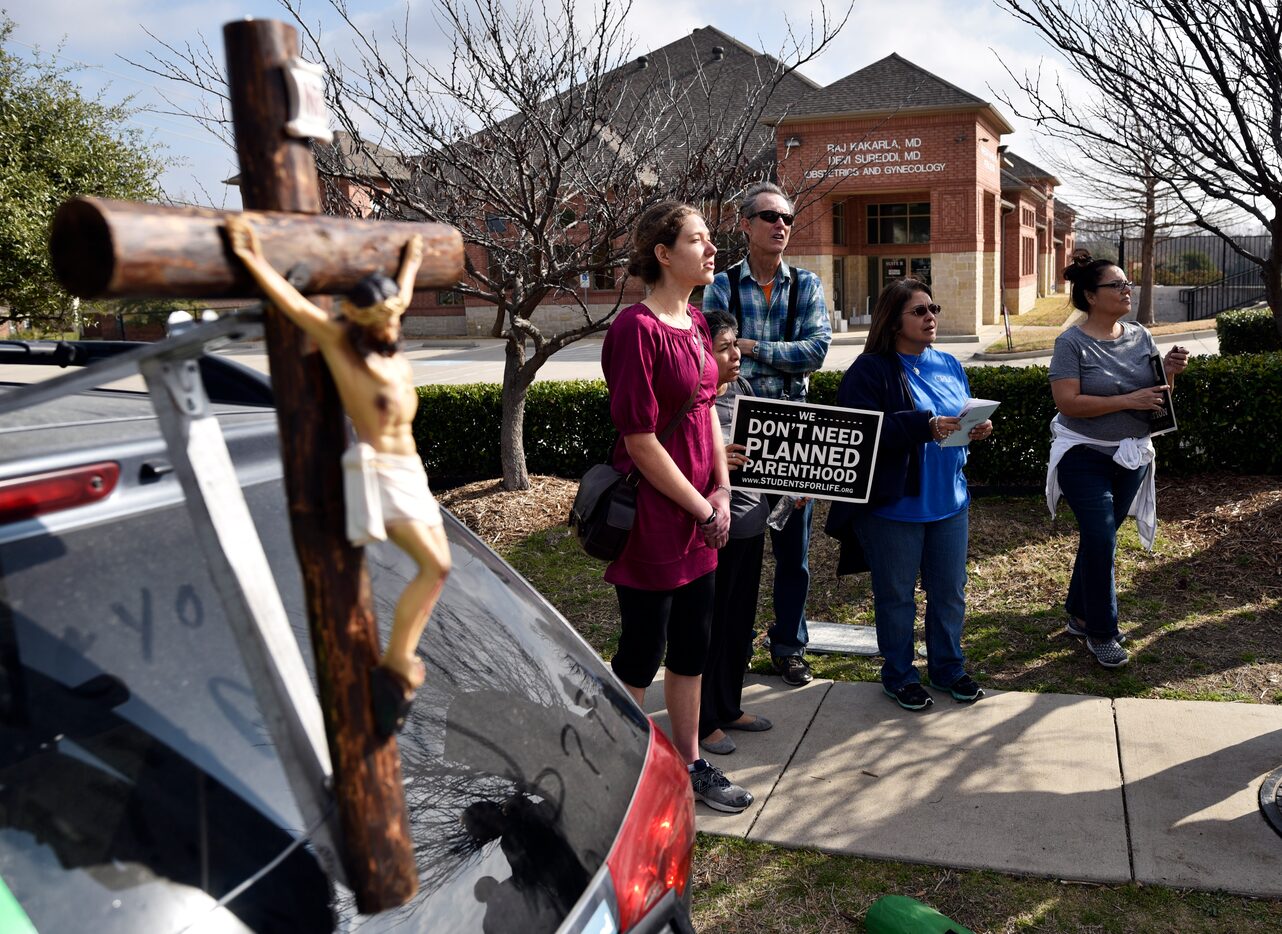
(797, 449)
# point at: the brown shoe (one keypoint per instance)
(794, 669)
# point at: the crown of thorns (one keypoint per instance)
(378, 313)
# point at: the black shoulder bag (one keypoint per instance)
(606, 505)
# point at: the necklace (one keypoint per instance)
(912, 362)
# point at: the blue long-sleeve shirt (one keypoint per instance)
(777, 359)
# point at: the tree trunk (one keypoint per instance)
(512, 439)
(1147, 274)
(1272, 272)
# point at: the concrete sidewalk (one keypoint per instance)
(1070, 787)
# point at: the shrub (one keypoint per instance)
(1225, 407)
(1247, 331)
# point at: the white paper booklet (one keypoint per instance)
(974, 412)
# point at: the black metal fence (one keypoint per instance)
(1212, 276)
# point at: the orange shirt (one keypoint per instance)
(766, 289)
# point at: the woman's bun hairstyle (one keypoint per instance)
(1085, 278)
(659, 224)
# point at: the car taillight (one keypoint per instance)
(653, 849)
(25, 497)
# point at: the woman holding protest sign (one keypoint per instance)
(662, 383)
(1108, 387)
(738, 580)
(916, 519)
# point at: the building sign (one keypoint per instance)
(899, 155)
(891, 269)
(820, 451)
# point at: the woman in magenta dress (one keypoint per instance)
(657, 362)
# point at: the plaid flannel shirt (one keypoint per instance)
(777, 359)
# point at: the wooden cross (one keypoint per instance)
(106, 249)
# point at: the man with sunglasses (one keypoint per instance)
(784, 335)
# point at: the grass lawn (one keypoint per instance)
(1037, 329)
(1203, 612)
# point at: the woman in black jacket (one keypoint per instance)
(916, 518)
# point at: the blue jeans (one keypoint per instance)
(896, 551)
(1100, 492)
(791, 548)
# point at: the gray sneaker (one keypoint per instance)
(716, 791)
(1109, 654)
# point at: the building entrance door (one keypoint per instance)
(892, 268)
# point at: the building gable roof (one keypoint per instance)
(1021, 168)
(888, 84)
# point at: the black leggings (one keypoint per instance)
(681, 618)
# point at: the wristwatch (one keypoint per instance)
(753, 352)
(712, 518)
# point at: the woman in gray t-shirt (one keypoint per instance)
(1102, 378)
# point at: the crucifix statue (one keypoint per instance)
(282, 246)
(385, 487)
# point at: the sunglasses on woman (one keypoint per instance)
(771, 216)
(920, 311)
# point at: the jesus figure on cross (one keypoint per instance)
(384, 482)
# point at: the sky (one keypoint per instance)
(961, 41)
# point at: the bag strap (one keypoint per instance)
(634, 475)
(790, 324)
(736, 306)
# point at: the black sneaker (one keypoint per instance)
(715, 790)
(965, 689)
(794, 669)
(911, 696)
(1073, 629)
(1109, 654)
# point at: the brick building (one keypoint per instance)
(909, 177)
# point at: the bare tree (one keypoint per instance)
(1189, 92)
(1123, 185)
(542, 137)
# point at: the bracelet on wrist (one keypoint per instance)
(712, 517)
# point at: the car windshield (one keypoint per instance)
(137, 776)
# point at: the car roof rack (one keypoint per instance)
(227, 538)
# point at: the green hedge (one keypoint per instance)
(1226, 408)
(1247, 331)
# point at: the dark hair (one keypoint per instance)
(887, 311)
(748, 205)
(659, 224)
(719, 321)
(1085, 278)
(373, 289)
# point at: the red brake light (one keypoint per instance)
(652, 853)
(25, 497)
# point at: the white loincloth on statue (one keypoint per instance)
(382, 490)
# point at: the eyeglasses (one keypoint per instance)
(919, 311)
(771, 216)
(1120, 285)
